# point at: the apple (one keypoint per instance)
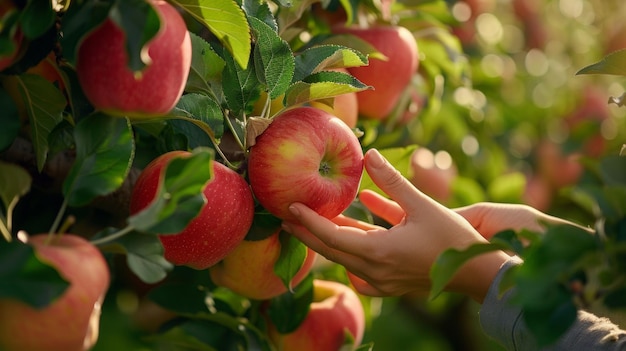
(219, 227)
(71, 322)
(305, 155)
(388, 78)
(249, 269)
(17, 37)
(558, 168)
(538, 193)
(585, 121)
(529, 12)
(109, 84)
(48, 69)
(434, 178)
(336, 310)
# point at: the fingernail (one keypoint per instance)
(286, 227)
(375, 159)
(294, 210)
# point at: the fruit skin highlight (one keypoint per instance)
(71, 322)
(219, 227)
(110, 85)
(389, 78)
(336, 310)
(309, 156)
(249, 269)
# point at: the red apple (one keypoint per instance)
(388, 78)
(538, 193)
(7, 60)
(305, 155)
(109, 84)
(249, 269)
(336, 310)
(219, 227)
(71, 322)
(431, 177)
(558, 168)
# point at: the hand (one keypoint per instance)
(490, 218)
(397, 260)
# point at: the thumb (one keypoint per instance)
(392, 182)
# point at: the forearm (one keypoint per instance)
(503, 322)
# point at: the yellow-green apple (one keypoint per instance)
(71, 322)
(6, 59)
(431, 175)
(390, 77)
(111, 86)
(219, 227)
(336, 310)
(249, 269)
(305, 155)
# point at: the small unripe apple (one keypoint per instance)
(336, 310)
(306, 155)
(388, 78)
(249, 269)
(71, 322)
(110, 85)
(220, 226)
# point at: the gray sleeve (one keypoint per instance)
(503, 322)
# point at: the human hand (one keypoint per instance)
(397, 260)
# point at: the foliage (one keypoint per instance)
(486, 103)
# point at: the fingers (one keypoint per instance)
(382, 207)
(326, 237)
(392, 182)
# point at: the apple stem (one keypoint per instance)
(232, 129)
(57, 222)
(5, 230)
(109, 238)
(209, 132)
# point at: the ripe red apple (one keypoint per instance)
(6, 60)
(249, 269)
(109, 84)
(388, 78)
(431, 177)
(335, 310)
(305, 155)
(71, 322)
(219, 227)
(538, 193)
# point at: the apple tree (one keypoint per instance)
(107, 104)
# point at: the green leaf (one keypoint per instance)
(292, 256)
(226, 20)
(203, 111)
(179, 198)
(36, 18)
(44, 105)
(9, 120)
(449, 262)
(104, 154)
(400, 157)
(15, 182)
(140, 23)
(273, 59)
(355, 43)
(328, 56)
(291, 11)
(288, 311)
(322, 85)
(264, 224)
(81, 18)
(241, 86)
(144, 255)
(206, 67)
(613, 63)
(548, 324)
(25, 278)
